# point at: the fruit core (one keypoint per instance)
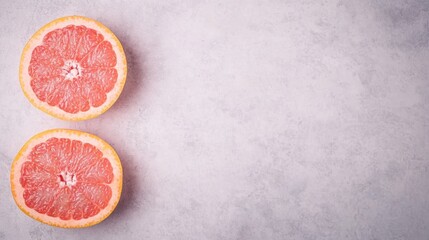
(71, 70)
(67, 179)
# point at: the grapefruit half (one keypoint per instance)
(66, 178)
(73, 68)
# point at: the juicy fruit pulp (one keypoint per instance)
(73, 69)
(66, 178)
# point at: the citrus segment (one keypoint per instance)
(73, 68)
(66, 178)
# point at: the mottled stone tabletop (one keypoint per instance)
(247, 119)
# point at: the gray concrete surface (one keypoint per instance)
(247, 119)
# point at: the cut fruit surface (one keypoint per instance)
(73, 68)
(66, 178)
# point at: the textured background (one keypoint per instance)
(247, 119)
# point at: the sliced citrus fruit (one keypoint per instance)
(66, 178)
(73, 68)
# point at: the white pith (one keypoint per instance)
(71, 69)
(67, 179)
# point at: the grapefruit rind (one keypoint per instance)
(37, 39)
(104, 147)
